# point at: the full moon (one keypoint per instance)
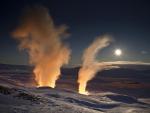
(118, 52)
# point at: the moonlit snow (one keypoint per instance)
(18, 95)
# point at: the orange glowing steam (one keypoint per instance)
(82, 89)
(44, 43)
(90, 66)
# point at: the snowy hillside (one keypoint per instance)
(110, 92)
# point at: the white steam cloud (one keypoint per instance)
(90, 66)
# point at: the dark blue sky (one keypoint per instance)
(127, 21)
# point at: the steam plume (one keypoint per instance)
(44, 43)
(90, 66)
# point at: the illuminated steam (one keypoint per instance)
(44, 43)
(90, 66)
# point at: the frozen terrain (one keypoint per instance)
(123, 90)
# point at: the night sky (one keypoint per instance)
(127, 21)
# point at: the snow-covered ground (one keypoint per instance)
(17, 97)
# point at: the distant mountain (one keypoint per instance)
(12, 67)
